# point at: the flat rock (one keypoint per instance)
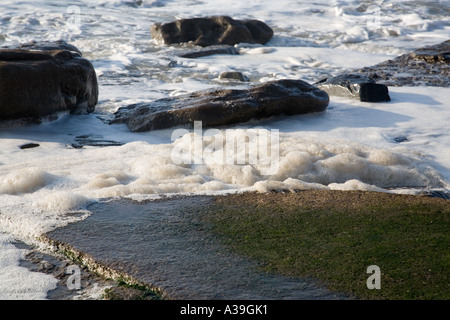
(428, 66)
(355, 86)
(164, 244)
(35, 84)
(213, 30)
(220, 107)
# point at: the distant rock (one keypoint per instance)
(208, 51)
(428, 66)
(400, 139)
(212, 31)
(355, 86)
(222, 107)
(35, 84)
(233, 76)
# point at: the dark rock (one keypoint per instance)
(428, 66)
(355, 86)
(29, 145)
(400, 139)
(221, 107)
(212, 31)
(35, 84)
(209, 51)
(233, 75)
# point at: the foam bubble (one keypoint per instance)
(61, 202)
(355, 185)
(23, 181)
(244, 175)
(289, 184)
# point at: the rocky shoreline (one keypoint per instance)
(72, 79)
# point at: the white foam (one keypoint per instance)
(141, 167)
(23, 181)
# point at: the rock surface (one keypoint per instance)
(221, 107)
(169, 244)
(428, 66)
(212, 31)
(165, 245)
(355, 86)
(35, 84)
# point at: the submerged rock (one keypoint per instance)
(221, 107)
(233, 76)
(209, 51)
(212, 31)
(93, 140)
(428, 66)
(35, 84)
(355, 86)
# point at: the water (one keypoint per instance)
(400, 146)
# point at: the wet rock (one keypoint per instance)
(212, 31)
(35, 84)
(93, 140)
(355, 86)
(209, 51)
(165, 244)
(220, 107)
(428, 66)
(233, 75)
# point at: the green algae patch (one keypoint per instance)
(335, 237)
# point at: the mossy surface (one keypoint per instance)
(335, 236)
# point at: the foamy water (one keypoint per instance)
(351, 146)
